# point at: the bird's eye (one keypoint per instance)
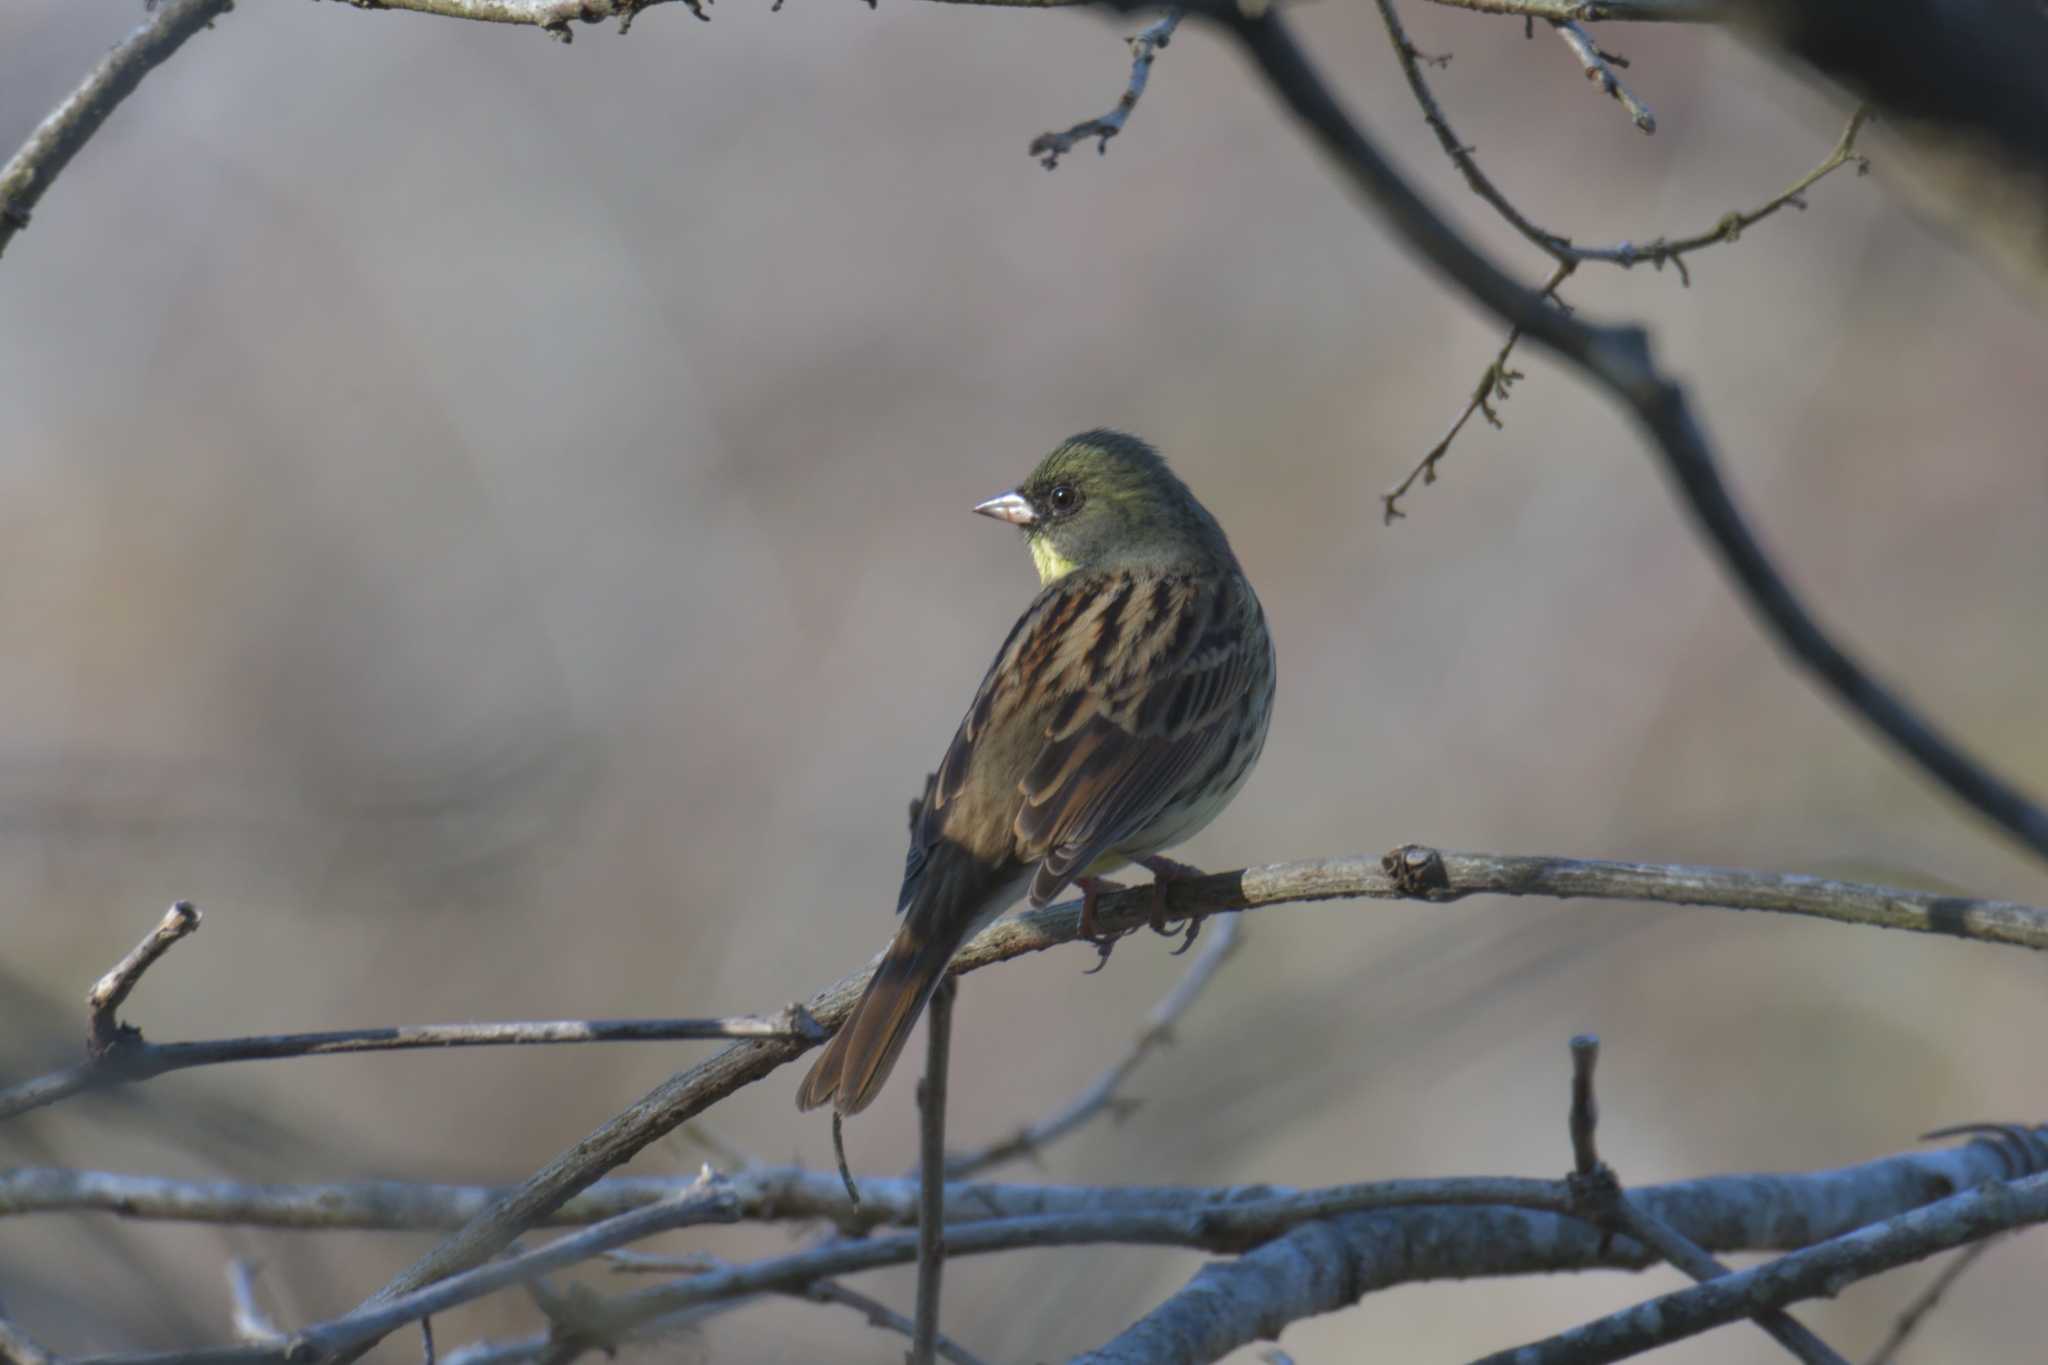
(1063, 498)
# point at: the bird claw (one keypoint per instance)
(1094, 889)
(1165, 871)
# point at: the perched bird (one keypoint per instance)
(1120, 716)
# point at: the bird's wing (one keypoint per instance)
(1114, 695)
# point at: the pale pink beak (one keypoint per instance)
(1012, 507)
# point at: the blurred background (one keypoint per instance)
(488, 521)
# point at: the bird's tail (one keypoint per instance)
(950, 902)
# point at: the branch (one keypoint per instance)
(1924, 1302)
(1327, 1266)
(1101, 1094)
(931, 1200)
(1560, 11)
(1600, 1191)
(1559, 247)
(1385, 1232)
(70, 125)
(885, 1317)
(1823, 1270)
(1619, 359)
(1599, 68)
(1493, 385)
(118, 1054)
(1411, 872)
(1050, 147)
(110, 992)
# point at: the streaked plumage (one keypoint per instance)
(1123, 712)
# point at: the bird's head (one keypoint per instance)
(1104, 500)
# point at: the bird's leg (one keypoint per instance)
(1094, 889)
(1165, 870)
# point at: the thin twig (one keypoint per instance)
(1599, 68)
(1603, 1199)
(49, 149)
(709, 1200)
(1101, 1096)
(1145, 45)
(119, 1055)
(931, 1204)
(1925, 1301)
(885, 1317)
(1659, 252)
(1493, 386)
(252, 1325)
(104, 1031)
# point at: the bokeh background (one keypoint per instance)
(487, 520)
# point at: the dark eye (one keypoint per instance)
(1064, 497)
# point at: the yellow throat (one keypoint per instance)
(1049, 562)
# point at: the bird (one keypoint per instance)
(1123, 712)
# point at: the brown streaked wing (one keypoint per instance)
(1161, 677)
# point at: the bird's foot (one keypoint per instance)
(1165, 871)
(1094, 889)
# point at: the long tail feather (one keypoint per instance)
(951, 894)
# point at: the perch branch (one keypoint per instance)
(1408, 873)
(49, 149)
(1145, 45)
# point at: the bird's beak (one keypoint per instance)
(1012, 507)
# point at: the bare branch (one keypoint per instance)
(1620, 360)
(1925, 1301)
(1654, 11)
(1411, 872)
(1599, 68)
(111, 991)
(129, 1058)
(1101, 1094)
(1050, 147)
(252, 1325)
(1493, 387)
(931, 1203)
(885, 1317)
(1326, 1266)
(49, 149)
(1625, 254)
(1823, 1270)
(1603, 1199)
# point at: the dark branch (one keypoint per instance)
(1619, 359)
(931, 1203)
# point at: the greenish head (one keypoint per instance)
(1105, 500)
